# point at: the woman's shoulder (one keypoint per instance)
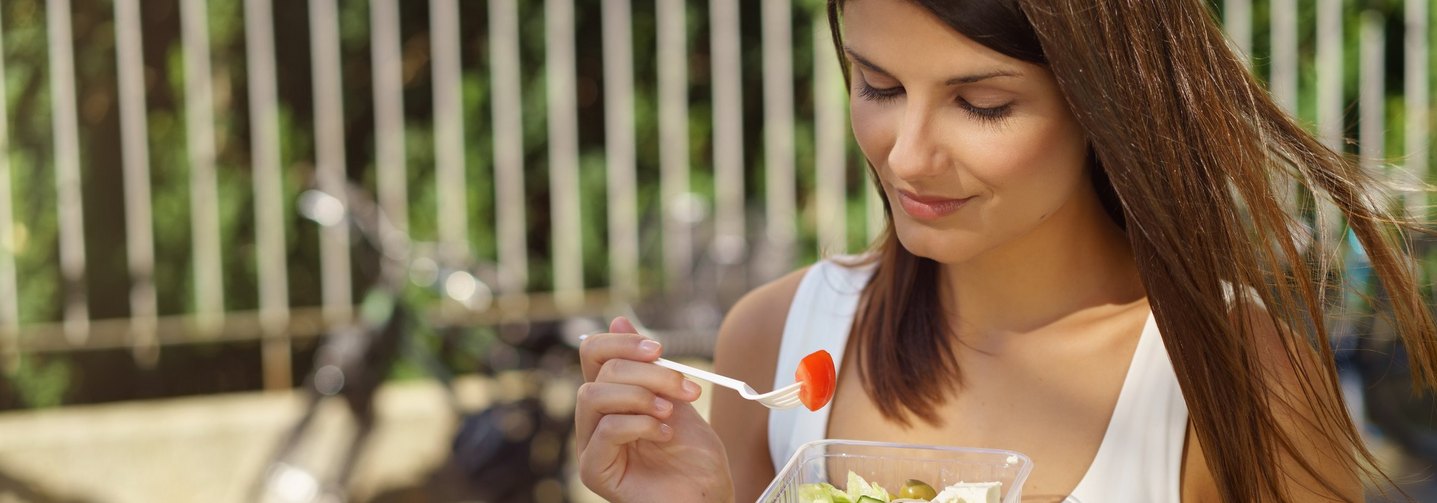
(1302, 407)
(757, 319)
(761, 313)
(754, 326)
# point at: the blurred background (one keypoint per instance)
(325, 250)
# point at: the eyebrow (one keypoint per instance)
(961, 79)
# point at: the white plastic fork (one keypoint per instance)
(782, 398)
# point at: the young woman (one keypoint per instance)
(1087, 260)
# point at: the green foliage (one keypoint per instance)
(41, 383)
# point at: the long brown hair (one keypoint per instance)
(1194, 159)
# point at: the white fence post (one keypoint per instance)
(9, 293)
(204, 195)
(730, 242)
(268, 196)
(392, 178)
(1371, 93)
(448, 130)
(1237, 19)
(67, 171)
(508, 154)
(778, 148)
(672, 52)
(1417, 145)
(329, 157)
(1283, 80)
(620, 149)
(564, 154)
(1329, 103)
(139, 227)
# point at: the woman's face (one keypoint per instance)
(974, 149)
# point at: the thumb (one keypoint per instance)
(621, 325)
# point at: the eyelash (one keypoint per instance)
(994, 114)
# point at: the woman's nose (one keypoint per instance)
(917, 152)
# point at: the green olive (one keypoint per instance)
(917, 489)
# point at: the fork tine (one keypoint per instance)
(783, 398)
(784, 404)
(784, 391)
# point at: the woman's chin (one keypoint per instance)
(945, 249)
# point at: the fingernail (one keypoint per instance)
(665, 428)
(662, 405)
(691, 388)
(649, 346)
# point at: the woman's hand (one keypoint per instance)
(639, 437)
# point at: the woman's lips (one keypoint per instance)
(929, 207)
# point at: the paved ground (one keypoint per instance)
(204, 448)
(212, 448)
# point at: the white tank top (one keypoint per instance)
(1139, 460)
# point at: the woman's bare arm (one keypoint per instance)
(747, 350)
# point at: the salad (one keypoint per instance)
(862, 491)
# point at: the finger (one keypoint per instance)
(598, 349)
(622, 325)
(597, 466)
(599, 399)
(658, 380)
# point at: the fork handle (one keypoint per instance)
(726, 382)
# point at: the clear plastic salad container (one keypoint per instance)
(892, 464)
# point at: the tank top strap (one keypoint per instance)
(819, 317)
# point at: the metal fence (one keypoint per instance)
(735, 210)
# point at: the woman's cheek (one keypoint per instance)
(996, 156)
(870, 130)
(1018, 150)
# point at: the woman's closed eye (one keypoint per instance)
(990, 114)
(870, 93)
(883, 94)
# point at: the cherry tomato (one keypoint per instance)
(817, 379)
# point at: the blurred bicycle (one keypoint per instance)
(502, 452)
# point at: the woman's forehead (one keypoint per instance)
(904, 39)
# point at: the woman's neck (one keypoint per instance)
(1077, 259)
